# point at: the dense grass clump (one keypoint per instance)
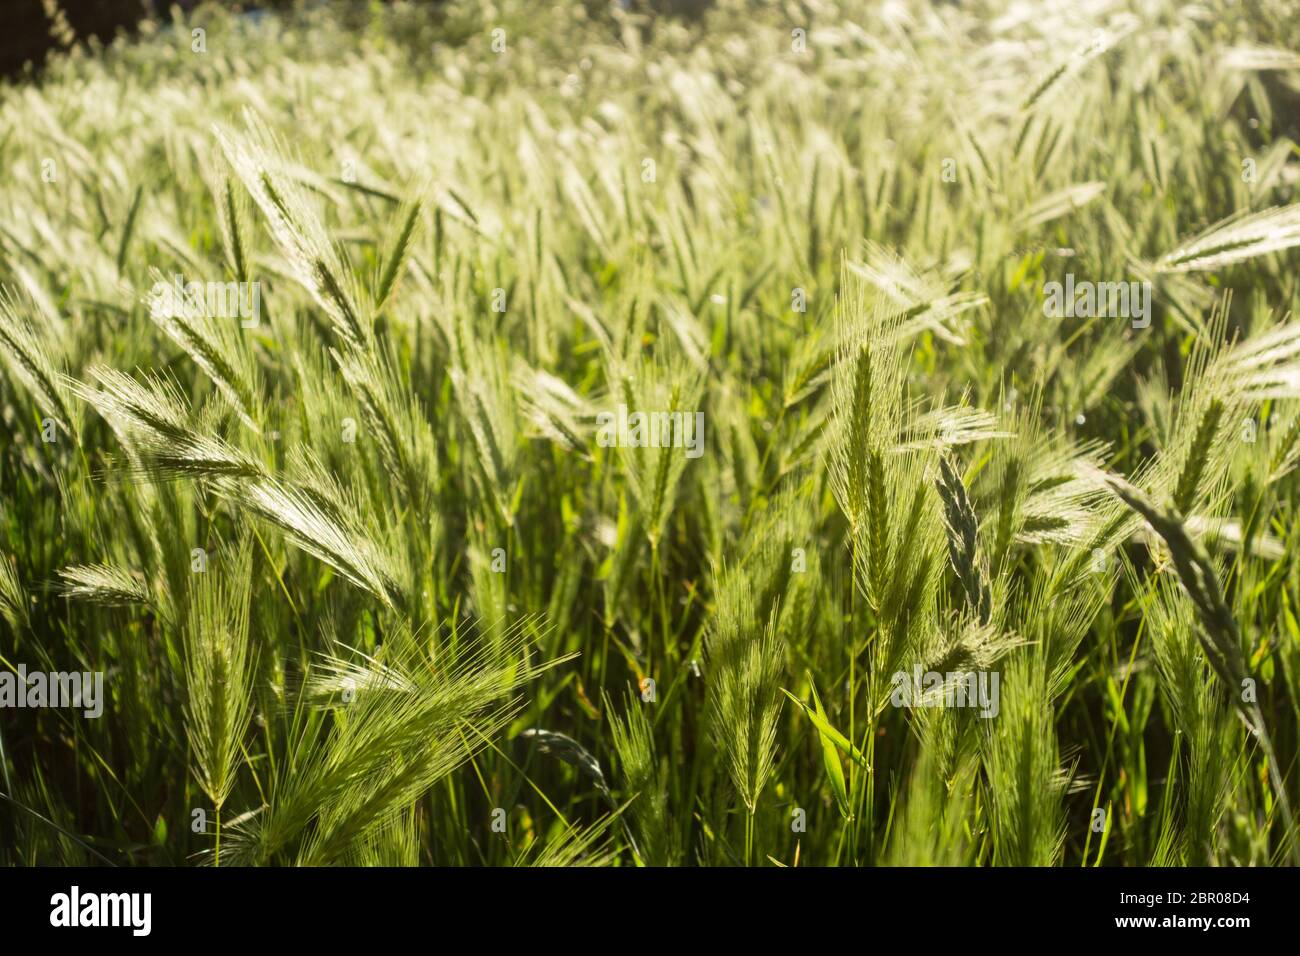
(372, 563)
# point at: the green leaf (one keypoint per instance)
(831, 759)
(829, 732)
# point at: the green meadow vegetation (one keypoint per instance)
(369, 584)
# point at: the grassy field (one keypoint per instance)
(326, 349)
